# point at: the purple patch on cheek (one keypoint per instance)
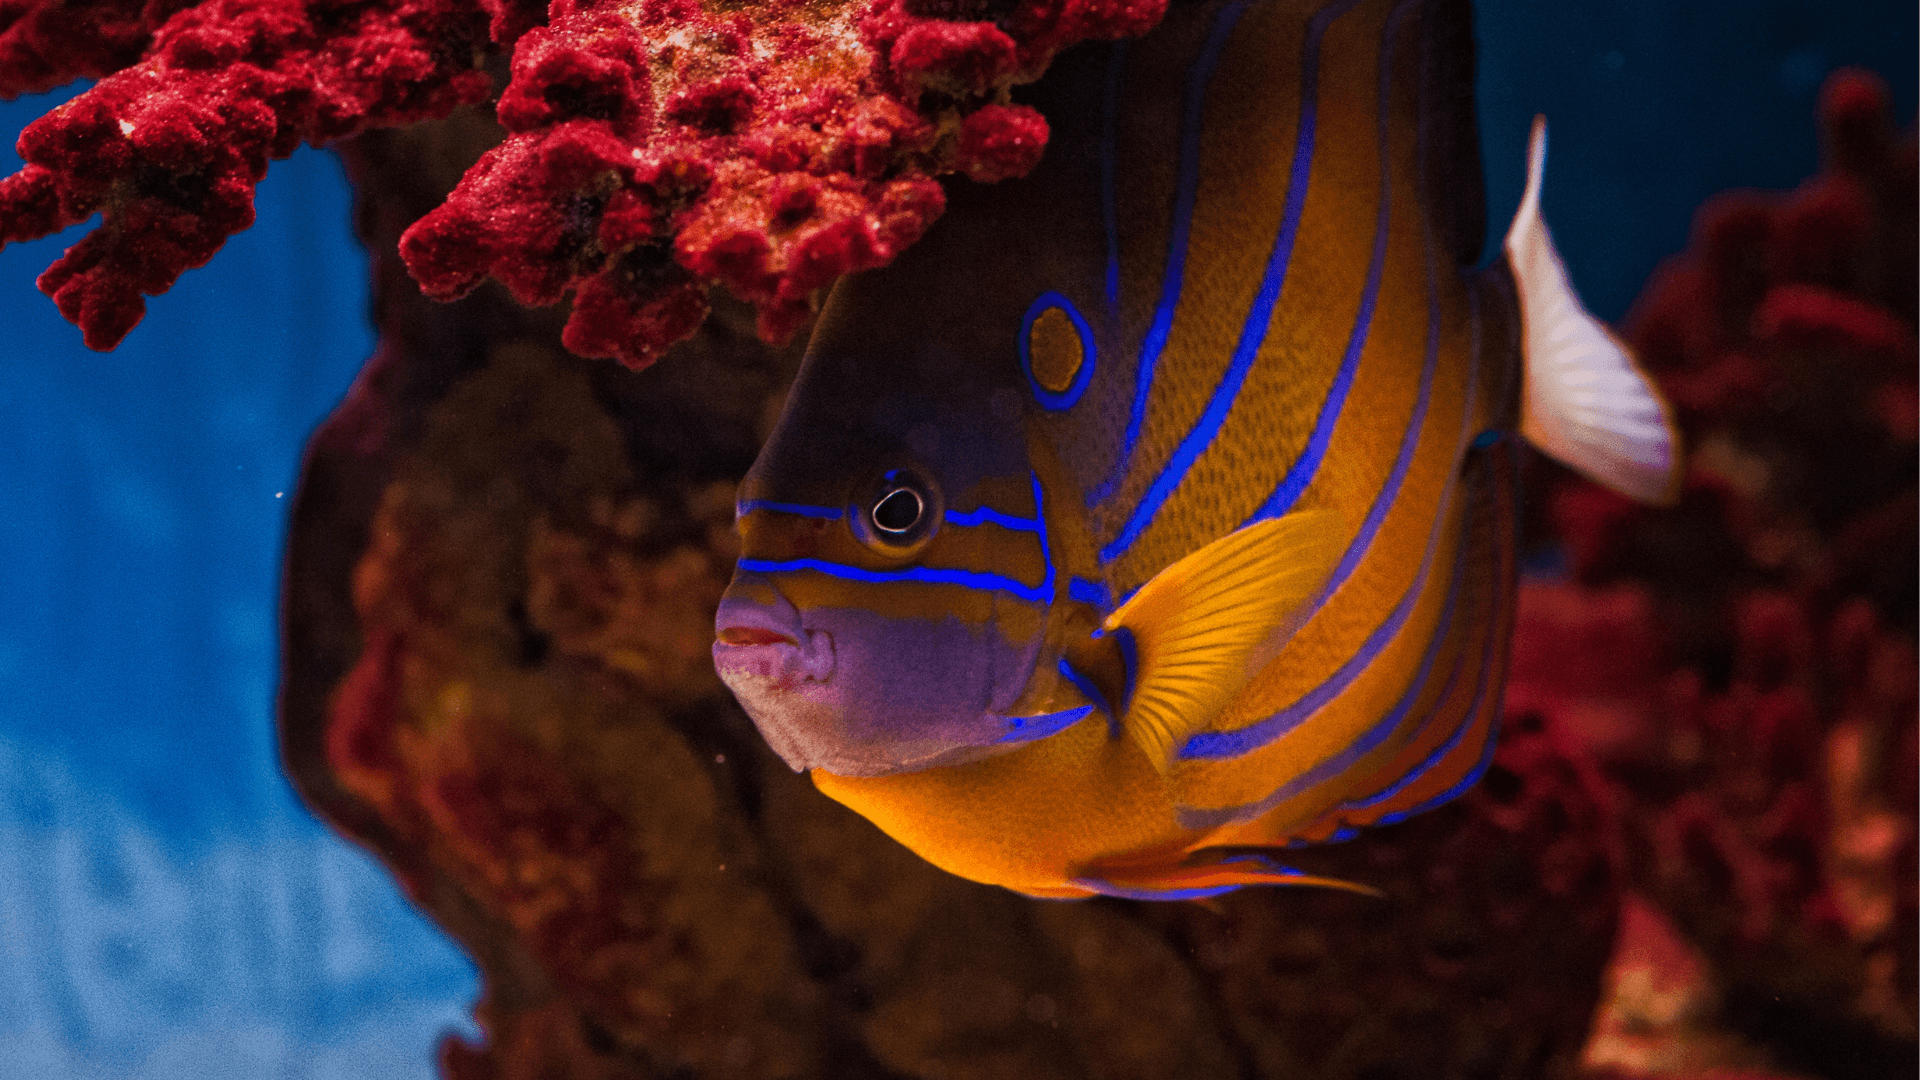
(859, 694)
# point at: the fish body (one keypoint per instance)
(1156, 511)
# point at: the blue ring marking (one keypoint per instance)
(1488, 438)
(1091, 693)
(1368, 741)
(1185, 192)
(1031, 728)
(1090, 592)
(1089, 352)
(1109, 172)
(1129, 662)
(988, 515)
(825, 513)
(1253, 331)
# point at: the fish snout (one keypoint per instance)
(758, 635)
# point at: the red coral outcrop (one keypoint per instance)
(1742, 666)
(656, 149)
(770, 148)
(169, 150)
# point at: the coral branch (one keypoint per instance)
(168, 151)
(770, 148)
(656, 148)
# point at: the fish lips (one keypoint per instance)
(859, 694)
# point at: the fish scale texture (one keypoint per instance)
(655, 149)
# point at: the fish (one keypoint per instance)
(1155, 514)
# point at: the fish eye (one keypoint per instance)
(898, 511)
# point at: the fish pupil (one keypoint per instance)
(897, 511)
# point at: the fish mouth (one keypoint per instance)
(758, 635)
(748, 636)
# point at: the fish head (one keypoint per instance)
(892, 597)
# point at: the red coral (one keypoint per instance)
(769, 149)
(656, 148)
(49, 43)
(1743, 664)
(169, 150)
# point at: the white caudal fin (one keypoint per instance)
(1586, 401)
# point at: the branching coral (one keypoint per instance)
(655, 148)
(1743, 665)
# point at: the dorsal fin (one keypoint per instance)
(1197, 624)
(1587, 402)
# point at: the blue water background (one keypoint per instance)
(167, 907)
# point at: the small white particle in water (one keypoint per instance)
(277, 494)
(126, 128)
(719, 759)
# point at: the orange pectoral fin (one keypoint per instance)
(1205, 873)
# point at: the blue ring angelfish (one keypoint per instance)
(1058, 366)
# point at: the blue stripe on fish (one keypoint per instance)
(1368, 741)
(1185, 192)
(1090, 592)
(1486, 659)
(1224, 744)
(1129, 662)
(930, 575)
(1389, 492)
(1254, 330)
(1091, 691)
(827, 513)
(1479, 769)
(926, 575)
(987, 515)
(1301, 473)
(1227, 744)
(1040, 530)
(1440, 752)
(1029, 728)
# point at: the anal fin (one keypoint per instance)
(1586, 402)
(1205, 873)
